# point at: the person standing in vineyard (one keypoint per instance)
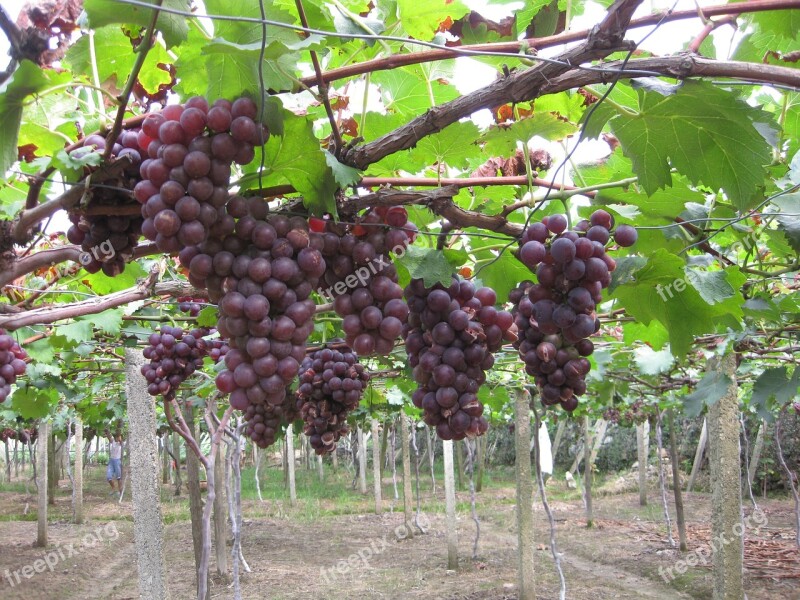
(114, 469)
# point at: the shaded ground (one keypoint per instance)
(313, 552)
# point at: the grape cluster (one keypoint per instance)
(262, 272)
(185, 177)
(556, 316)
(264, 421)
(331, 384)
(108, 240)
(174, 355)
(362, 280)
(28, 436)
(190, 306)
(12, 363)
(450, 339)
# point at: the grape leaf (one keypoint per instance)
(659, 291)
(503, 275)
(345, 176)
(711, 388)
(173, 27)
(406, 92)
(233, 67)
(712, 286)
(109, 321)
(454, 145)
(431, 265)
(651, 362)
(788, 219)
(774, 386)
(707, 133)
(114, 58)
(782, 23)
(30, 402)
(79, 331)
(502, 141)
(654, 334)
(421, 19)
(26, 80)
(208, 317)
(102, 284)
(296, 157)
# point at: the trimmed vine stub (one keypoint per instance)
(556, 316)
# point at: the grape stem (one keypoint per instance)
(322, 86)
(147, 43)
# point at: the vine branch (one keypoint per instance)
(145, 289)
(414, 58)
(147, 43)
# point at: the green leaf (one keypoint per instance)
(660, 291)
(662, 203)
(454, 145)
(774, 384)
(26, 80)
(761, 308)
(654, 334)
(494, 396)
(624, 273)
(502, 141)
(712, 286)
(32, 403)
(109, 321)
(102, 284)
(709, 390)
(79, 331)
(781, 23)
(345, 176)
(430, 265)
(651, 362)
(296, 157)
(234, 66)
(208, 317)
(406, 92)
(114, 57)
(503, 275)
(707, 133)
(421, 19)
(173, 27)
(788, 218)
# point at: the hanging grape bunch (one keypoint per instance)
(12, 363)
(556, 316)
(262, 272)
(108, 241)
(175, 354)
(450, 339)
(332, 382)
(361, 279)
(185, 176)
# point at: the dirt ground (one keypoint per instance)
(297, 554)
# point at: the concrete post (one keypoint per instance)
(148, 527)
(77, 474)
(726, 487)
